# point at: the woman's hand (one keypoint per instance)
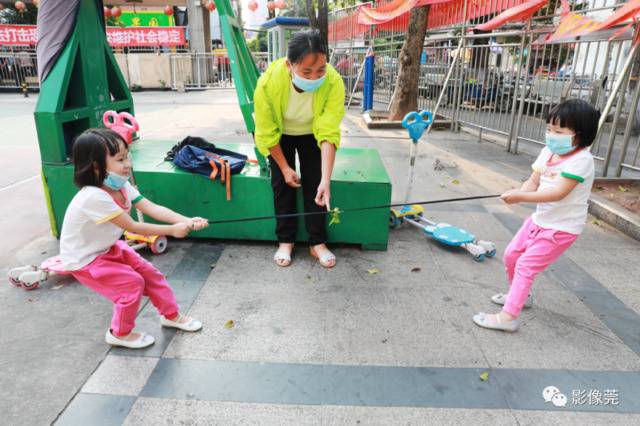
(197, 223)
(512, 196)
(180, 229)
(291, 177)
(323, 197)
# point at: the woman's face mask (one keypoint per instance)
(306, 84)
(309, 73)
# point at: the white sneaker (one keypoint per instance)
(190, 325)
(141, 342)
(501, 298)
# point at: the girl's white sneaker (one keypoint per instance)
(141, 342)
(190, 325)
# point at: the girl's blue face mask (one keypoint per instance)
(115, 181)
(306, 84)
(559, 144)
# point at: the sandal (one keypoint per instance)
(283, 255)
(483, 320)
(189, 325)
(324, 260)
(141, 342)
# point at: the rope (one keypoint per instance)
(386, 206)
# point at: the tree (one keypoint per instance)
(406, 93)
(259, 43)
(318, 14)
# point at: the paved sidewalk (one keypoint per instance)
(342, 346)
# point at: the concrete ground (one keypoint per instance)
(314, 346)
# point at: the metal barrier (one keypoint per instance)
(18, 68)
(505, 82)
(205, 70)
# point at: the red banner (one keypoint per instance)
(18, 35)
(27, 35)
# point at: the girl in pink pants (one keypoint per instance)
(560, 185)
(90, 245)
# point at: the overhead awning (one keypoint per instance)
(387, 12)
(517, 13)
(574, 25)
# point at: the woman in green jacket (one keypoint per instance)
(299, 104)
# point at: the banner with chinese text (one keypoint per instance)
(27, 35)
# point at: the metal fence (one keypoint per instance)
(141, 68)
(205, 70)
(504, 83)
(18, 68)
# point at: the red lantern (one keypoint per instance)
(20, 6)
(211, 6)
(281, 4)
(107, 12)
(116, 12)
(253, 5)
(271, 5)
(168, 10)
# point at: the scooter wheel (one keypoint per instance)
(492, 253)
(159, 246)
(30, 287)
(15, 282)
(394, 220)
(479, 257)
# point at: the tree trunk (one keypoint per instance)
(406, 92)
(319, 19)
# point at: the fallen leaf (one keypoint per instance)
(455, 182)
(596, 222)
(622, 188)
(58, 287)
(229, 324)
(416, 270)
(373, 271)
(335, 216)
(484, 376)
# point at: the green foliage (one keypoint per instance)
(258, 43)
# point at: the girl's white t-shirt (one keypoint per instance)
(570, 213)
(87, 231)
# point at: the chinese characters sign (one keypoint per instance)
(18, 35)
(146, 36)
(26, 35)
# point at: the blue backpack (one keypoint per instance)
(214, 163)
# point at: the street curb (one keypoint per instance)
(623, 220)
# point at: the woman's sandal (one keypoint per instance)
(325, 259)
(141, 342)
(282, 255)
